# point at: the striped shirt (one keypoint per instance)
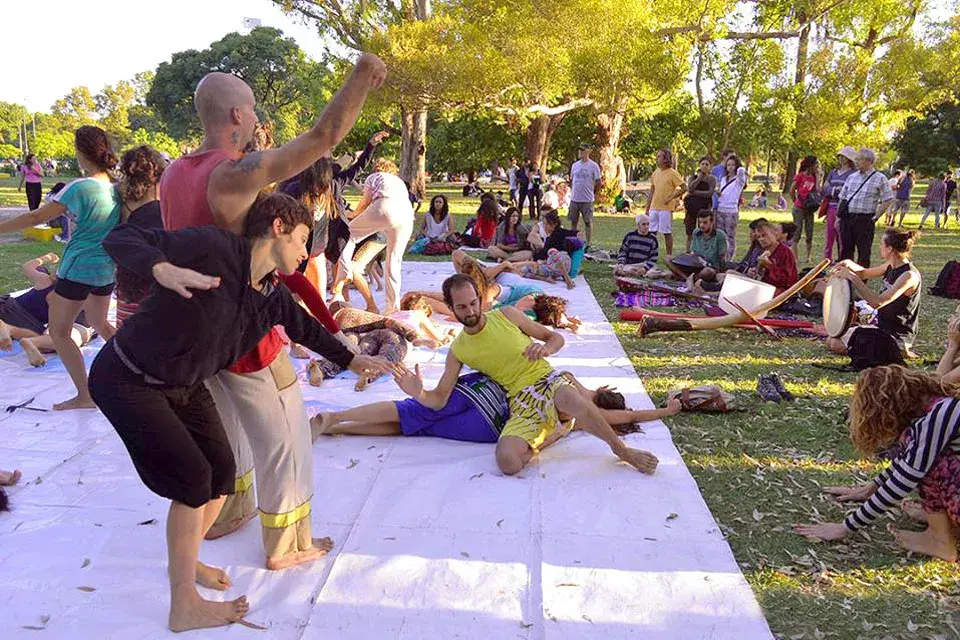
(864, 202)
(487, 396)
(932, 434)
(638, 249)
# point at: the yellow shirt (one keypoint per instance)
(664, 182)
(497, 351)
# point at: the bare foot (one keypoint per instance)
(320, 548)
(362, 383)
(203, 614)
(6, 342)
(75, 402)
(34, 357)
(373, 308)
(226, 528)
(320, 425)
(913, 510)
(10, 478)
(927, 544)
(297, 351)
(315, 373)
(212, 578)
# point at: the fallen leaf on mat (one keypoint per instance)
(373, 446)
(587, 618)
(672, 516)
(86, 563)
(87, 589)
(44, 619)
(526, 625)
(251, 625)
(652, 539)
(32, 627)
(39, 480)
(476, 475)
(568, 584)
(150, 521)
(353, 463)
(499, 522)
(465, 554)
(390, 538)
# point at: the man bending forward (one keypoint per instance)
(499, 344)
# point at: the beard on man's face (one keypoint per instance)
(468, 320)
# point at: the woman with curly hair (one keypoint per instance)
(920, 412)
(140, 171)
(551, 311)
(86, 274)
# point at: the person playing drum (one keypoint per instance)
(897, 303)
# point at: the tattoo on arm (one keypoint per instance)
(250, 163)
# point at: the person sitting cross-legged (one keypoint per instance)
(708, 251)
(638, 251)
(918, 414)
(949, 367)
(501, 344)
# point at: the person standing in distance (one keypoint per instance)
(585, 182)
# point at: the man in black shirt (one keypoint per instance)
(218, 295)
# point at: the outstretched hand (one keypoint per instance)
(410, 382)
(859, 493)
(822, 530)
(182, 280)
(364, 365)
(642, 461)
(674, 405)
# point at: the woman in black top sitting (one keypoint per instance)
(898, 302)
(217, 296)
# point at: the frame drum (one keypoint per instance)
(837, 306)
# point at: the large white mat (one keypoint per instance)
(431, 540)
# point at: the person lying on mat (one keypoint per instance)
(919, 415)
(949, 367)
(475, 412)
(217, 296)
(24, 317)
(638, 250)
(501, 344)
(708, 251)
(556, 266)
(897, 303)
(495, 291)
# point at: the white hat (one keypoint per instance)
(849, 153)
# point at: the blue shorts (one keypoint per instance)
(458, 420)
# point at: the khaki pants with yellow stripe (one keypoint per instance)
(267, 418)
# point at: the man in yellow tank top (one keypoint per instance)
(501, 344)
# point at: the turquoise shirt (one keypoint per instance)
(95, 207)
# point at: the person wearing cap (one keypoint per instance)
(868, 196)
(584, 183)
(831, 193)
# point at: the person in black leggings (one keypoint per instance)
(217, 297)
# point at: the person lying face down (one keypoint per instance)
(217, 297)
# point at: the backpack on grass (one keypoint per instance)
(948, 282)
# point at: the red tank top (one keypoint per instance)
(183, 204)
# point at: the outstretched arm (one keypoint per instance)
(31, 270)
(235, 185)
(411, 382)
(46, 213)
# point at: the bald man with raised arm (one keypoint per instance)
(258, 397)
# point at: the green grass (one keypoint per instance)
(10, 196)
(761, 470)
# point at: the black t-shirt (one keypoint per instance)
(899, 318)
(951, 187)
(132, 288)
(182, 341)
(556, 240)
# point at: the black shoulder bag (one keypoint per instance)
(843, 207)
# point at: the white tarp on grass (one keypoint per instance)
(431, 540)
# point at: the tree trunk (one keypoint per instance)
(413, 149)
(799, 83)
(609, 128)
(537, 141)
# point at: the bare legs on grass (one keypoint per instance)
(377, 419)
(185, 529)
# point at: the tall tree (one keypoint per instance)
(360, 25)
(277, 70)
